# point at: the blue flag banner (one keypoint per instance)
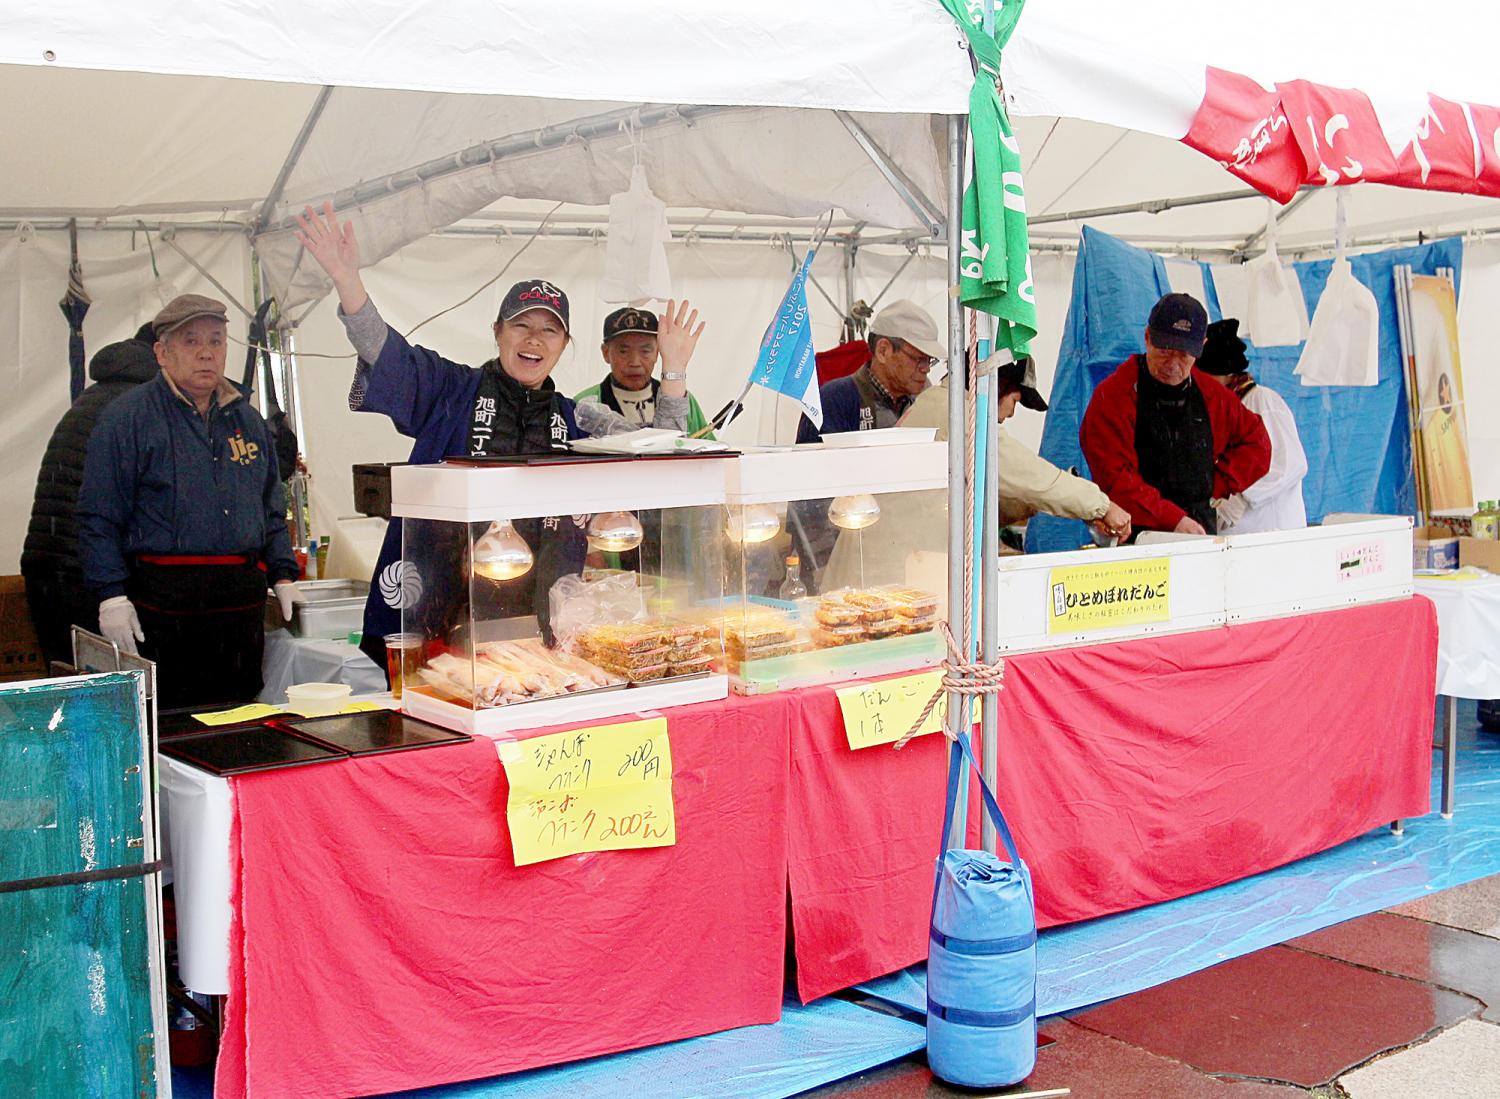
(786, 363)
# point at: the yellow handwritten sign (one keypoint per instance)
(1081, 598)
(254, 711)
(607, 788)
(882, 712)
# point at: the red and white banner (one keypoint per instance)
(1304, 133)
(1338, 92)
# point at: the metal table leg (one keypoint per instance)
(1450, 752)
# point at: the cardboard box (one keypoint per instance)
(20, 655)
(1482, 552)
(1433, 548)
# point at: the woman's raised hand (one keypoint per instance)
(333, 245)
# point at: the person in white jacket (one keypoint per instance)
(1275, 501)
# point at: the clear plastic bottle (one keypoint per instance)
(1486, 523)
(793, 587)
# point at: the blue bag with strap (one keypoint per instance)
(981, 959)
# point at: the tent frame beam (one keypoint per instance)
(525, 143)
(293, 156)
(918, 203)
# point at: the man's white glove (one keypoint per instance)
(288, 594)
(118, 622)
(1230, 511)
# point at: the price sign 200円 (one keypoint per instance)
(607, 788)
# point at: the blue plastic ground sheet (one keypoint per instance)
(1096, 960)
(811, 1045)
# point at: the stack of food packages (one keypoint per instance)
(639, 652)
(757, 633)
(853, 614)
(513, 671)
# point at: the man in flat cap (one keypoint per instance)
(182, 517)
(1161, 439)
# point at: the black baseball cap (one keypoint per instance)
(1223, 350)
(1178, 323)
(622, 322)
(535, 294)
(1022, 374)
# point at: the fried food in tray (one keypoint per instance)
(613, 642)
(513, 671)
(695, 666)
(911, 602)
(828, 637)
(644, 674)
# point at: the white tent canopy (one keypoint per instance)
(476, 116)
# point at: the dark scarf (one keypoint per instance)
(508, 418)
(1174, 444)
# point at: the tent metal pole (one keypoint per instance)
(957, 703)
(529, 142)
(169, 239)
(918, 203)
(1150, 206)
(1281, 215)
(294, 154)
(988, 574)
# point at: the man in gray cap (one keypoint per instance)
(904, 348)
(182, 517)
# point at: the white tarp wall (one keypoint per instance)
(737, 285)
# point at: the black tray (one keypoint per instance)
(240, 749)
(372, 732)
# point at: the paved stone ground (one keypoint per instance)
(1403, 1004)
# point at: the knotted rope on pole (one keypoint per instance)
(962, 676)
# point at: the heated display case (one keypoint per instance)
(549, 590)
(837, 563)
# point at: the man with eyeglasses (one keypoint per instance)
(904, 348)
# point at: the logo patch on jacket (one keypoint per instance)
(241, 450)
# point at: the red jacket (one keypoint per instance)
(1242, 449)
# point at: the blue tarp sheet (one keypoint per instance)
(1357, 443)
(1087, 963)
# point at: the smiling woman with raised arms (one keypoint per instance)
(507, 406)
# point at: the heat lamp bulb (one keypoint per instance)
(501, 553)
(854, 512)
(615, 532)
(753, 524)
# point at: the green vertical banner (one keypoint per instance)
(995, 276)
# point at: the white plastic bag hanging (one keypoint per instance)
(1277, 314)
(1343, 347)
(635, 259)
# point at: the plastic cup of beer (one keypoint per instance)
(403, 656)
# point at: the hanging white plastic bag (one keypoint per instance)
(1276, 314)
(1343, 347)
(635, 259)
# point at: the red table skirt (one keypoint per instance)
(383, 940)
(1131, 773)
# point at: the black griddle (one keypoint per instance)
(372, 732)
(241, 749)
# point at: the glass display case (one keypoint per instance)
(547, 591)
(836, 563)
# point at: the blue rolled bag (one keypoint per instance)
(981, 958)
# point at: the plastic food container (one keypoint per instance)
(317, 699)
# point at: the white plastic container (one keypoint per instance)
(317, 699)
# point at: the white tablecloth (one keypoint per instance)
(290, 660)
(1468, 611)
(195, 813)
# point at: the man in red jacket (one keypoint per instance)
(1162, 445)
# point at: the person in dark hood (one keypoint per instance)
(55, 589)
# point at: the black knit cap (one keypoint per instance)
(1223, 350)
